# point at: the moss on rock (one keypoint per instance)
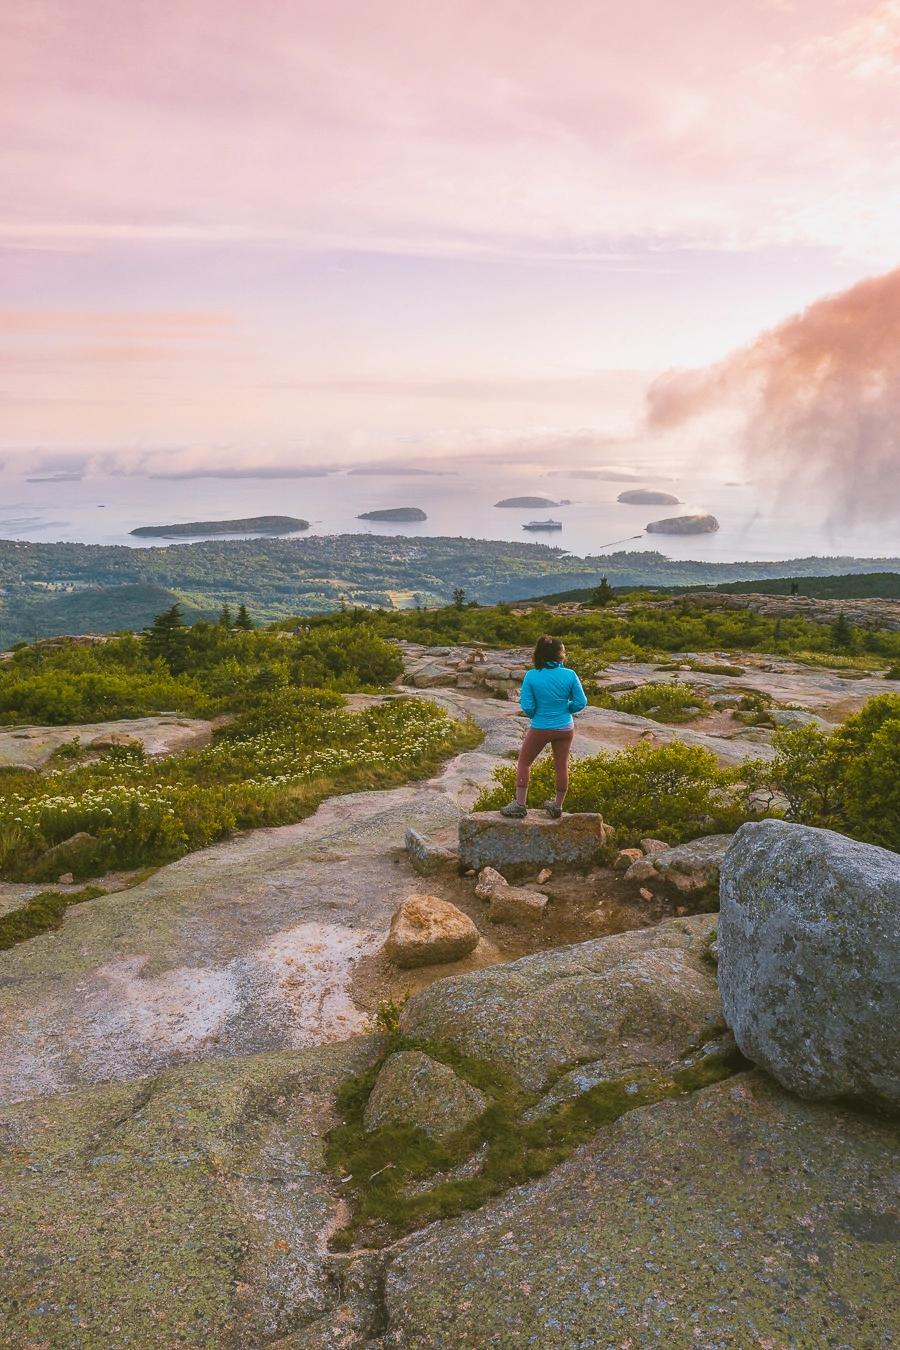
(737, 1217)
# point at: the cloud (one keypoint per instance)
(453, 127)
(817, 401)
(264, 471)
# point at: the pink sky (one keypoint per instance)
(331, 226)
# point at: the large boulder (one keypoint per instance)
(487, 839)
(737, 1217)
(426, 931)
(619, 1001)
(414, 1089)
(809, 959)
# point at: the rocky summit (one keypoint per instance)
(406, 1075)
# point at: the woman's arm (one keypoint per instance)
(577, 696)
(527, 700)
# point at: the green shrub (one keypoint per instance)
(847, 781)
(674, 792)
(201, 670)
(663, 702)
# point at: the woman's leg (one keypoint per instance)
(532, 746)
(562, 746)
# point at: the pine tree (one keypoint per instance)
(225, 619)
(243, 619)
(841, 633)
(167, 638)
(602, 594)
(459, 597)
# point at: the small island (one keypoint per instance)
(684, 525)
(644, 497)
(395, 513)
(252, 525)
(526, 502)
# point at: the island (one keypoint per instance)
(195, 528)
(526, 501)
(684, 525)
(644, 497)
(395, 513)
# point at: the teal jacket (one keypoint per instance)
(550, 696)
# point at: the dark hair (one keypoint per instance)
(548, 649)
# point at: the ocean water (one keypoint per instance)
(103, 510)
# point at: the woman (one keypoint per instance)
(550, 695)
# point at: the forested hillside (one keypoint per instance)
(78, 588)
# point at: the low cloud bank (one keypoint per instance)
(818, 397)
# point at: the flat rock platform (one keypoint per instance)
(487, 839)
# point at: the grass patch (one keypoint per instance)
(42, 914)
(385, 1173)
(834, 661)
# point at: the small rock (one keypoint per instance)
(470, 872)
(414, 1089)
(428, 858)
(654, 846)
(794, 717)
(434, 675)
(426, 931)
(75, 841)
(625, 857)
(516, 904)
(642, 870)
(67, 879)
(544, 875)
(488, 878)
(691, 866)
(110, 739)
(682, 909)
(645, 894)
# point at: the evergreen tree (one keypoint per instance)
(243, 619)
(167, 638)
(225, 619)
(841, 633)
(459, 597)
(602, 594)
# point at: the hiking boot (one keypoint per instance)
(553, 810)
(513, 811)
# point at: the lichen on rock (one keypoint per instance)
(414, 1089)
(627, 1000)
(809, 959)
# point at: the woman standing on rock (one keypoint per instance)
(550, 695)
